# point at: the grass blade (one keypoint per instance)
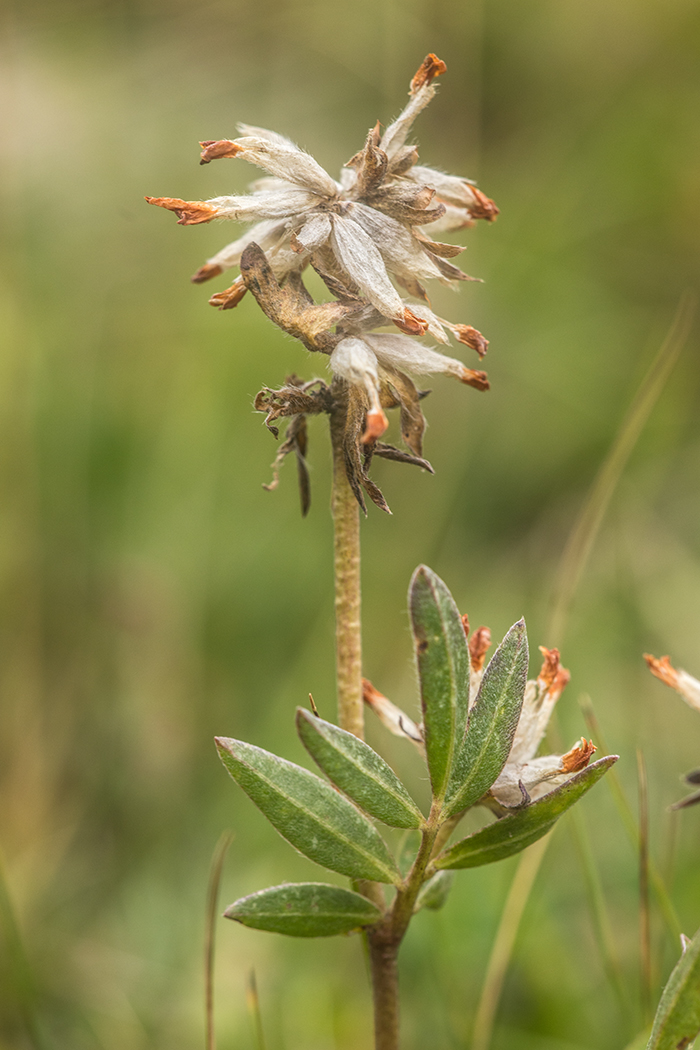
(215, 870)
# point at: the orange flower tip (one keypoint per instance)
(189, 213)
(215, 149)
(465, 624)
(483, 207)
(230, 297)
(369, 693)
(296, 245)
(479, 645)
(479, 380)
(375, 426)
(205, 273)
(579, 756)
(662, 669)
(411, 324)
(471, 337)
(552, 675)
(430, 67)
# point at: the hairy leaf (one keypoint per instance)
(677, 1020)
(304, 909)
(492, 723)
(309, 813)
(359, 771)
(443, 667)
(513, 833)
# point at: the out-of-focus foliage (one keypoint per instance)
(153, 595)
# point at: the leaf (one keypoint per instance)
(433, 893)
(677, 1020)
(492, 723)
(309, 813)
(304, 909)
(358, 771)
(443, 667)
(513, 833)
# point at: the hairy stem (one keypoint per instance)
(348, 637)
(385, 939)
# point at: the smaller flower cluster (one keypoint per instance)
(364, 235)
(525, 777)
(689, 688)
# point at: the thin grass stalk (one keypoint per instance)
(502, 950)
(626, 815)
(644, 909)
(253, 1001)
(346, 561)
(601, 920)
(217, 865)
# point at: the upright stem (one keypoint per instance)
(385, 992)
(348, 637)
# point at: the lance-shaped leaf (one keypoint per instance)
(512, 834)
(304, 909)
(492, 723)
(443, 667)
(309, 813)
(359, 771)
(677, 1020)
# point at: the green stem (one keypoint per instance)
(385, 939)
(348, 636)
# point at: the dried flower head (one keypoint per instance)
(364, 235)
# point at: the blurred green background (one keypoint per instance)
(153, 594)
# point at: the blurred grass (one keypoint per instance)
(154, 595)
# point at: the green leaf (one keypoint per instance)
(309, 813)
(359, 771)
(492, 723)
(513, 833)
(443, 668)
(677, 1020)
(304, 909)
(433, 893)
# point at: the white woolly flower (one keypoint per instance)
(357, 233)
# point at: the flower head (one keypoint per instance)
(370, 237)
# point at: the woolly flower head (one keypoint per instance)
(364, 235)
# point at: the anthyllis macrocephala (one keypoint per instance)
(367, 235)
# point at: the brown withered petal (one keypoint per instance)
(229, 297)
(445, 251)
(663, 669)
(552, 675)
(289, 308)
(403, 161)
(397, 455)
(375, 425)
(465, 624)
(391, 716)
(471, 337)
(216, 149)
(579, 756)
(295, 440)
(371, 167)
(478, 380)
(205, 273)
(430, 67)
(189, 213)
(479, 645)
(450, 271)
(412, 420)
(356, 412)
(410, 324)
(295, 398)
(484, 208)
